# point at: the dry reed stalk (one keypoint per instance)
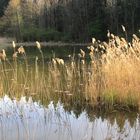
(111, 73)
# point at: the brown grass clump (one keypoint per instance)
(118, 78)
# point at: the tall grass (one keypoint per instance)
(106, 75)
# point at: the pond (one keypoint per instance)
(68, 93)
(25, 119)
(49, 49)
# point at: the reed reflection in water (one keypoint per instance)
(20, 120)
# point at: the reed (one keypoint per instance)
(104, 75)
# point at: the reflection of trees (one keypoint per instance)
(79, 104)
(71, 104)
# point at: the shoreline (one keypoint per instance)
(44, 44)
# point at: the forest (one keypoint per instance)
(67, 20)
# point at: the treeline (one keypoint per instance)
(67, 20)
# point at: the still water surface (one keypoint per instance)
(26, 119)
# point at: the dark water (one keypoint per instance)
(48, 51)
(20, 120)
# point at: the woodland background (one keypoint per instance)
(67, 20)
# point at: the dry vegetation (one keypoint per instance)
(105, 74)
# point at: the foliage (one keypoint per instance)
(96, 29)
(34, 33)
(76, 20)
(3, 5)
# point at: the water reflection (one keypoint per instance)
(20, 120)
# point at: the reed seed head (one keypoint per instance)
(38, 45)
(72, 65)
(112, 36)
(60, 61)
(83, 62)
(21, 50)
(93, 40)
(123, 28)
(54, 61)
(91, 48)
(3, 54)
(135, 37)
(108, 33)
(82, 53)
(117, 40)
(13, 43)
(36, 58)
